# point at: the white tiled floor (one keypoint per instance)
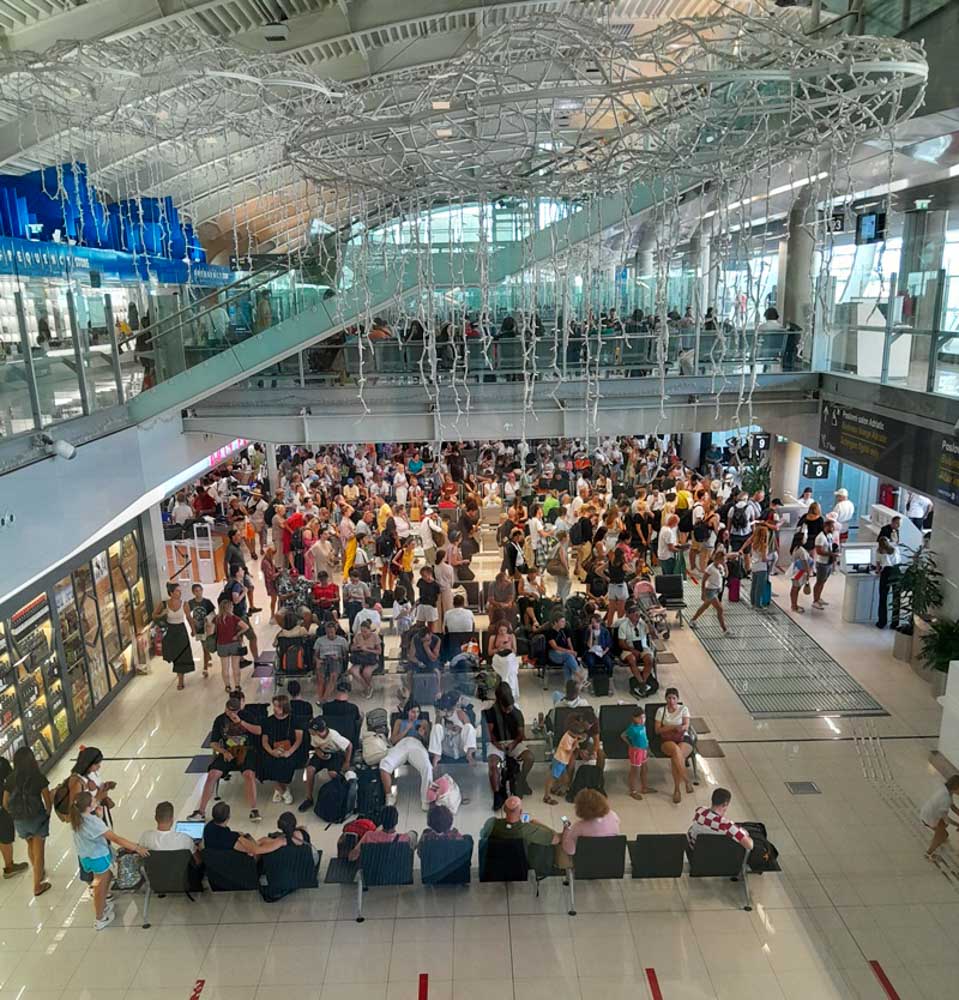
(854, 885)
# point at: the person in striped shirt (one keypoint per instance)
(712, 819)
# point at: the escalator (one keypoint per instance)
(266, 317)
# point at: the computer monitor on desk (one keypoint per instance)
(857, 558)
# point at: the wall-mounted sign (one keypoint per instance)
(815, 468)
(925, 460)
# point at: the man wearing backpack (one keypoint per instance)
(741, 519)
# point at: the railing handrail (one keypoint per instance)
(164, 326)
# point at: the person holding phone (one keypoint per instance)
(543, 844)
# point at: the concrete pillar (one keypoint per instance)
(691, 448)
(800, 247)
(786, 461)
(154, 549)
(272, 470)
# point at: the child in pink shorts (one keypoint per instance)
(638, 742)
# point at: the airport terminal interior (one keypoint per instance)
(479, 499)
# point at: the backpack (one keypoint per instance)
(293, 661)
(538, 650)
(20, 805)
(375, 748)
(377, 721)
(576, 533)
(61, 800)
(331, 800)
(384, 545)
(576, 612)
(370, 797)
(129, 871)
(764, 857)
(701, 530)
(296, 541)
(486, 681)
(686, 521)
(587, 776)
(738, 520)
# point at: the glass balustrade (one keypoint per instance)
(402, 361)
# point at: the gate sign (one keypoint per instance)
(761, 442)
(815, 468)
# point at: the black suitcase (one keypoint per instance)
(600, 684)
(587, 776)
(370, 797)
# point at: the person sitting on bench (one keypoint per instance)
(544, 849)
(217, 836)
(287, 834)
(712, 819)
(233, 747)
(452, 735)
(633, 641)
(365, 655)
(330, 654)
(165, 838)
(439, 826)
(385, 833)
(598, 644)
(507, 735)
(409, 738)
(331, 756)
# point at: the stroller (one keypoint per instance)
(653, 613)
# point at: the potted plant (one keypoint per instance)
(756, 476)
(940, 646)
(920, 594)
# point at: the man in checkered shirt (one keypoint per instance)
(712, 819)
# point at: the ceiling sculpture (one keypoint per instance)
(546, 114)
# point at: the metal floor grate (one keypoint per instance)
(803, 788)
(775, 667)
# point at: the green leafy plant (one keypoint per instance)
(756, 476)
(940, 645)
(920, 586)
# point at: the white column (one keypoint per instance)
(271, 467)
(786, 465)
(154, 546)
(949, 726)
(800, 248)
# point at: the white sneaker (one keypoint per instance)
(288, 797)
(277, 796)
(108, 917)
(819, 605)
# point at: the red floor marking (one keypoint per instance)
(424, 986)
(883, 980)
(654, 984)
(197, 989)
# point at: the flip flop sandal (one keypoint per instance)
(44, 887)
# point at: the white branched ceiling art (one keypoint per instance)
(555, 110)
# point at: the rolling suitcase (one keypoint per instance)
(732, 588)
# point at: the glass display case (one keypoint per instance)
(90, 626)
(11, 728)
(43, 709)
(63, 652)
(71, 640)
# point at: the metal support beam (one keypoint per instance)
(29, 370)
(114, 346)
(79, 342)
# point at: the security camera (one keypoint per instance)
(57, 446)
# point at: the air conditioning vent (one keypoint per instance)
(276, 31)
